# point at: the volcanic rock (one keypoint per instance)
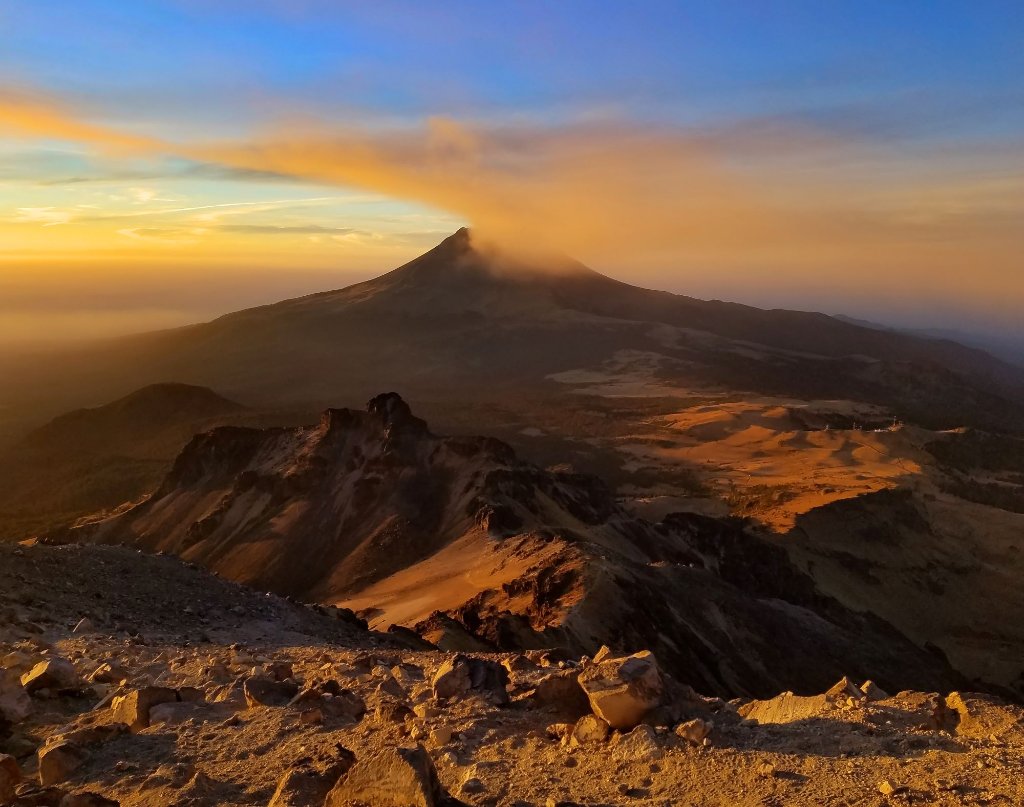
(57, 762)
(391, 777)
(133, 708)
(463, 675)
(623, 690)
(53, 673)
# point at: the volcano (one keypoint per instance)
(474, 322)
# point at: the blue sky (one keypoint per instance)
(903, 120)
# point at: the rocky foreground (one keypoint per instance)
(139, 680)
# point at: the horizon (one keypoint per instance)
(184, 160)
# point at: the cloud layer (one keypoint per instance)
(757, 210)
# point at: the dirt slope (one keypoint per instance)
(158, 626)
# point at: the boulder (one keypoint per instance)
(133, 708)
(306, 785)
(391, 777)
(53, 673)
(265, 691)
(58, 761)
(10, 777)
(462, 675)
(623, 690)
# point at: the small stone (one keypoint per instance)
(84, 626)
(559, 731)
(108, 673)
(311, 717)
(887, 788)
(694, 731)
(426, 711)
(440, 735)
(472, 786)
(641, 744)
(873, 692)
(589, 729)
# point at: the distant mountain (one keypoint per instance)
(465, 323)
(1007, 348)
(370, 509)
(92, 459)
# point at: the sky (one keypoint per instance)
(163, 162)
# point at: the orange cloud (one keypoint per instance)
(769, 209)
(25, 115)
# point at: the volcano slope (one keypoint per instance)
(459, 538)
(467, 323)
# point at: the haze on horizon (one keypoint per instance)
(181, 159)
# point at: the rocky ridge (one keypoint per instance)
(458, 539)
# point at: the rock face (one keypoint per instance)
(399, 521)
(394, 777)
(623, 690)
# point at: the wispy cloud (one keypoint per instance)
(46, 216)
(282, 229)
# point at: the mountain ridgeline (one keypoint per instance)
(468, 323)
(371, 510)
